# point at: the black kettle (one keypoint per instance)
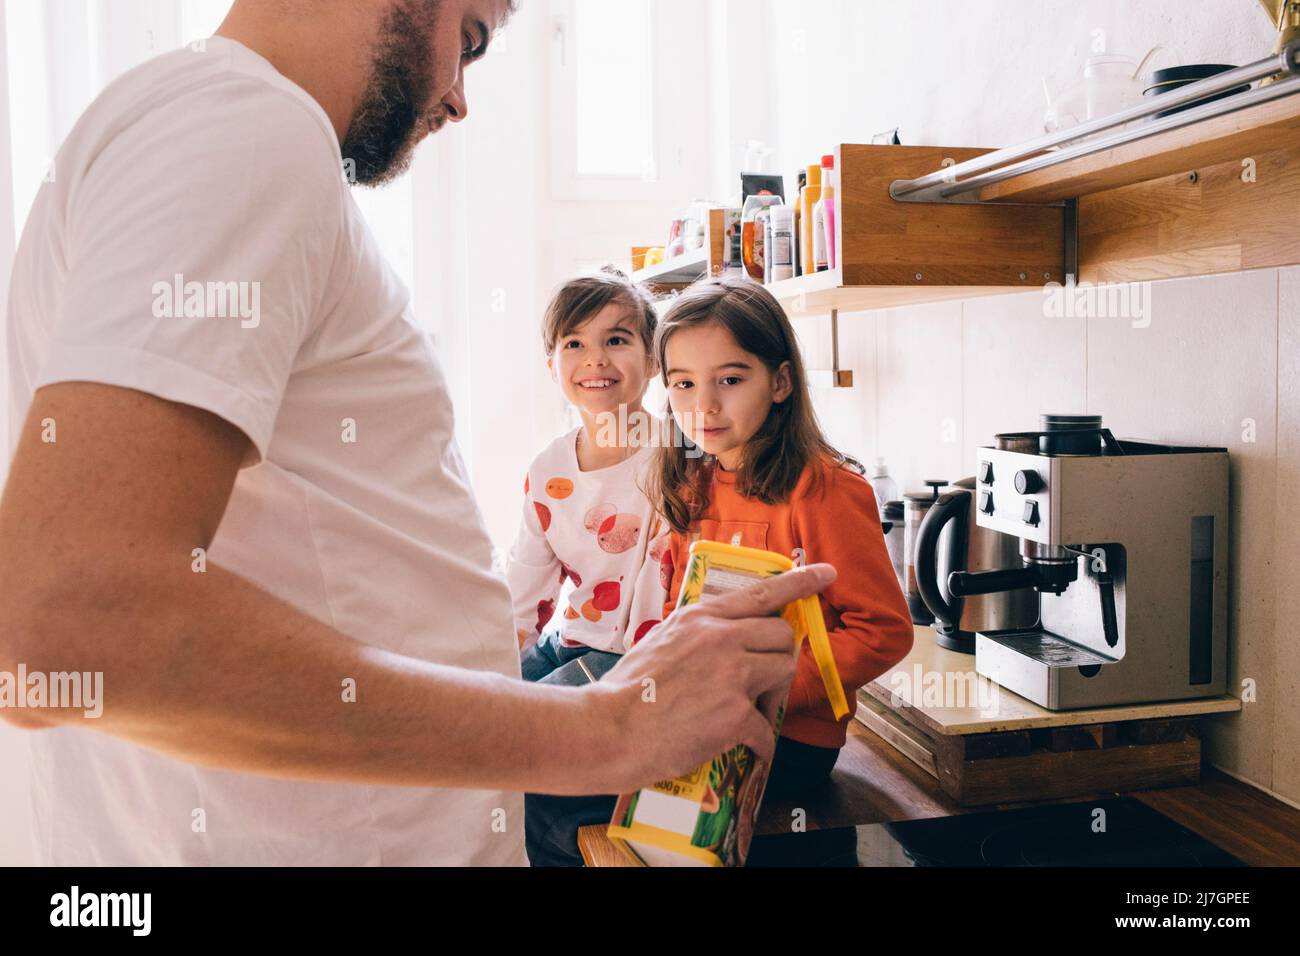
(950, 539)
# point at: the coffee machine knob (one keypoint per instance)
(1028, 482)
(986, 473)
(986, 502)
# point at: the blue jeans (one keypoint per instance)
(550, 661)
(557, 818)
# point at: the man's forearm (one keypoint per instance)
(212, 670)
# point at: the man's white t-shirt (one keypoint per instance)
(198, 242)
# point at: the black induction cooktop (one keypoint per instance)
(1119, 831)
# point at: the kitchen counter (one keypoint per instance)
(874, 783)
(985, 707)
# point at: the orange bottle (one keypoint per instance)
(810, 196)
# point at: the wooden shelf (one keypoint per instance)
(1230, 138)
(1013, 712)
(679, 270)
(1219, 195)
(826, 292)
(1216, 196)
(896, 254)
(998, 747)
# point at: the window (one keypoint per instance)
(614, 140)
(616, 70)
(62, 55)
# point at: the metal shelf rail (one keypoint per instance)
(948, 186)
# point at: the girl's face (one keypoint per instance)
(603, 363)
(720, 394)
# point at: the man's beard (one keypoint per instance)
(390, 122)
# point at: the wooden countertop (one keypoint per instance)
(874, 783)
(916, 680)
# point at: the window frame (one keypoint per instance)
(670, 179)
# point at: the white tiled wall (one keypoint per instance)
(1286, 565)
(1016, 364)
(1204, 369)
(1216, 365)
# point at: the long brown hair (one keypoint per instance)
(788, 441)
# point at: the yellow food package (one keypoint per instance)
(707, 817)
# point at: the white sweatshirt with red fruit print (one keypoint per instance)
(598, 530)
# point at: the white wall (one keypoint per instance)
(935, 382)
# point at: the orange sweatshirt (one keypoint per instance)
(867, 619)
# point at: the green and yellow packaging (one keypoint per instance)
(707, 817)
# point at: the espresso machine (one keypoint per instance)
(1125, 544)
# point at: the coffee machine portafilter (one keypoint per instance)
(1125, 544)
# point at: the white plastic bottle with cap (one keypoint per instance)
(781, 250)
(821, 249)
(884, 487)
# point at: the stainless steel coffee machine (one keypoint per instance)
(1126, 544)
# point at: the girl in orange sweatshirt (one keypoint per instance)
(748, 465)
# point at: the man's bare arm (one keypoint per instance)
(96, 537)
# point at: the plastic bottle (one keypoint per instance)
(830, 187)
(821, 260)
(811, 194)
(796, 236)
(733, 251)
(884, 486)
(892, 524)
(781, 249)
(752, 236)
(765, 219)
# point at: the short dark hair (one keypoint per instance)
(578, 300)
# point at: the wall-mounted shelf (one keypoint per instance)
(1214, 189)
(1256, 129)
(893, 253)
(826, 292)
(1217, 195)
(680, 271)
(1200, 180)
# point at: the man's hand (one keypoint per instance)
(711, 676)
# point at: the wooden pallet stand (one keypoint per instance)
(1024, 752)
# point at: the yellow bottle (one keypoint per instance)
(810, 196)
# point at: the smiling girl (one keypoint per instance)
(770, 480)
(585, 517)
(587, 520)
